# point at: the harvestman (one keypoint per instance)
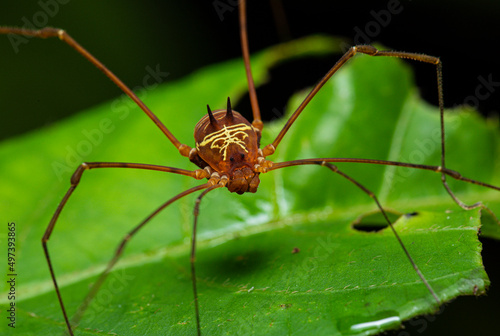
(228, 153)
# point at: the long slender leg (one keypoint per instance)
(372, 51)
(62, 35)
(95, 287)
(75, 180)
(257, 122)
(368, 50)
(438, 169)
(196, 213)
(372, 195)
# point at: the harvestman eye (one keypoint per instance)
(225, 132)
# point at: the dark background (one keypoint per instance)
(46, 81)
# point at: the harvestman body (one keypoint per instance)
(228, 153)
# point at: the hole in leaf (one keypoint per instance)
(374, 221)
(411, 214)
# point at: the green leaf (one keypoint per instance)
(341, 281)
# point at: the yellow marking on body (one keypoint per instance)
(228, 136)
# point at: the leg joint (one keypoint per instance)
(75, 178)
(366, 49)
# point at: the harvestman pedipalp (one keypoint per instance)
(228, 152)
